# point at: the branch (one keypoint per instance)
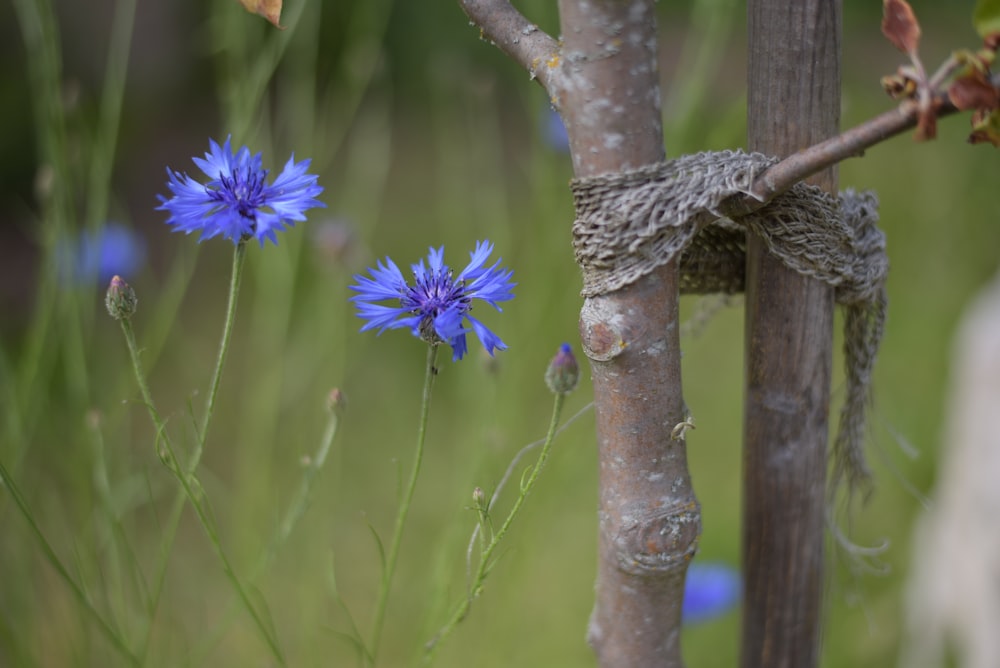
(849, 144)
(523, 41)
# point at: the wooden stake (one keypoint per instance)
(793, 102)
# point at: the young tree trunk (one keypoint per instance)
(794, 102)
(649, 521)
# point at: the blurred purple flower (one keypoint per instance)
(554, 131)
(98, 255)
(711, 590)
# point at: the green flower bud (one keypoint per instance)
(563, 373)
(120, 299)
(336, 401)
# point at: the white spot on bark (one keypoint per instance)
(613, 140)
(637, 12)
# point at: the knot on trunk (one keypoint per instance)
(660, 541)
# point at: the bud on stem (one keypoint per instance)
(120, 299)
(563, 373)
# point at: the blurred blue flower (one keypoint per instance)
(554, 131)
(711, 590)
(95, 256)
(436, 304)
(237, 202)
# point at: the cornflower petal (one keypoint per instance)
(448, 324)
(383, 317)
(236, 202)
(435, 307)
(490, 340)
(477, 258)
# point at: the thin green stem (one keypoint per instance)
(404, 507)
(186, 475)
(160, 574)
(36, 363)
(106, 140)
(50, 554)
(486, 556)
(239, 255)
(174, 518)
(284, 530)
(147, 396)
(195, 497)
(173, 522)
(301, 502)
(187, 479)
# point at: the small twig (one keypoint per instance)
(523, 41)
(849, 144)
(780, 177)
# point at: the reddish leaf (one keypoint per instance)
(269, 9)
(899, 25)
(973, 91)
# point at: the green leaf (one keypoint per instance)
(379, 545)
(986, 17)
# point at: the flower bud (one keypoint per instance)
(563, 373)
(120, 299)
(335, 400)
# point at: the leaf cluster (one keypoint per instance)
(964, 79)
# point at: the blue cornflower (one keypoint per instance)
(435, 306)
(237, 202)
(711, 590)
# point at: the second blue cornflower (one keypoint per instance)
(435, 307)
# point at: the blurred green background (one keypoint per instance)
(421, 134)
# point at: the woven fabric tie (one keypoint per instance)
(629, 223)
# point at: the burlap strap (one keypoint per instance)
(629, 223)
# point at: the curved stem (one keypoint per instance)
(174, 518)
(281, 534)
(486, 556)
(525, 489)
(404, 507)
(188, 491)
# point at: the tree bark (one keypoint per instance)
(649, 520)
(604, 80)
(793, 103)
